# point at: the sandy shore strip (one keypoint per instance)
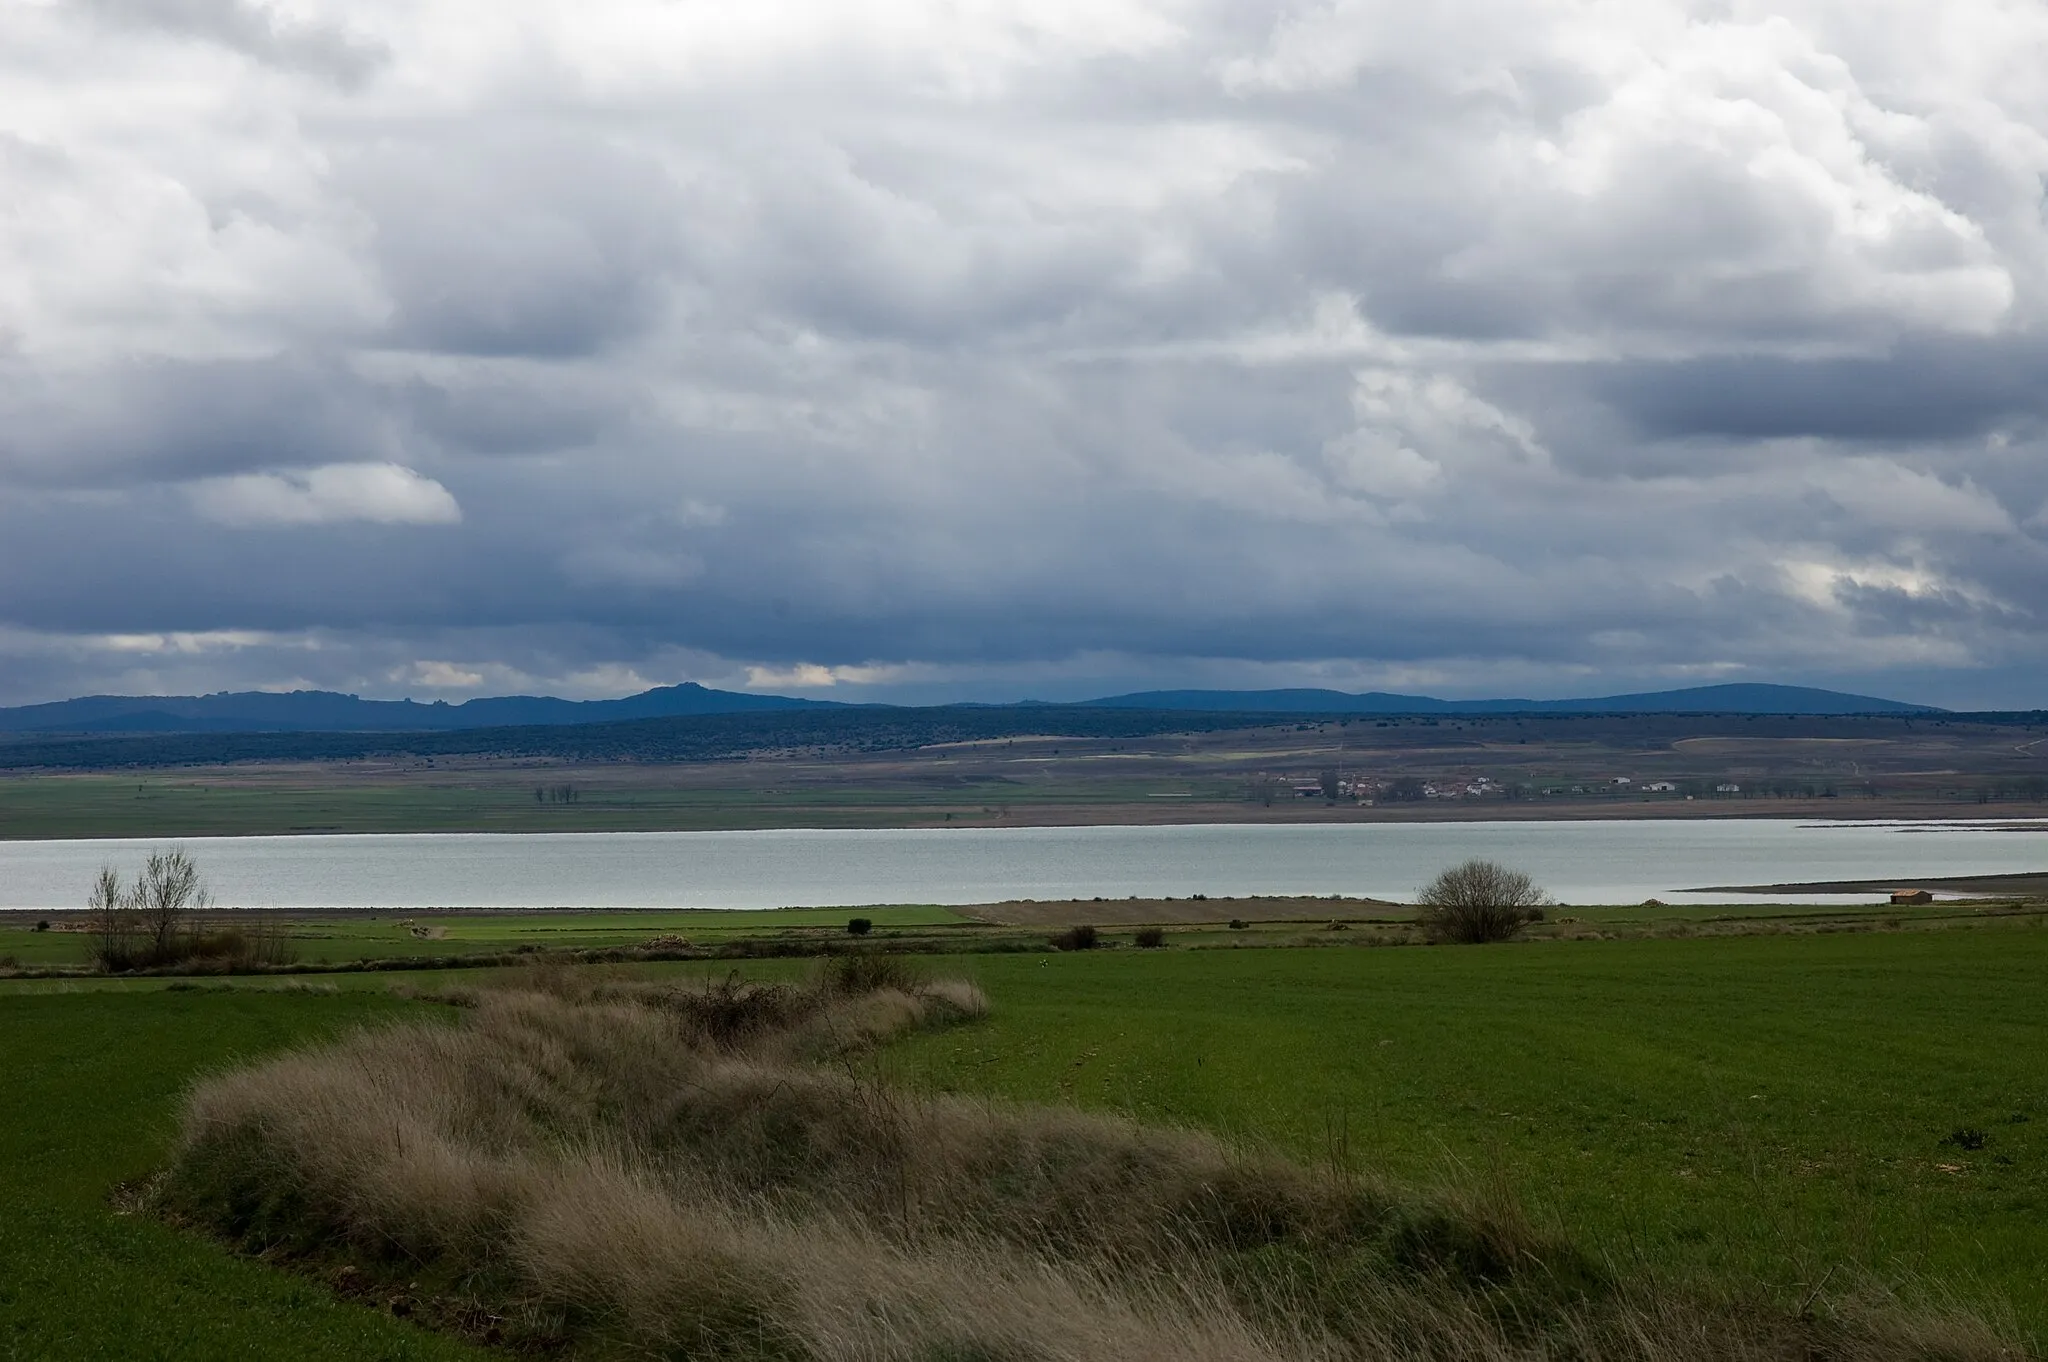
(2030, 885)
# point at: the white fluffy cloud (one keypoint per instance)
(1012, 347)
(380, 493)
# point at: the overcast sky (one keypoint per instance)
(917, 350)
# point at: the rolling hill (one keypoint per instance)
(1740, 698)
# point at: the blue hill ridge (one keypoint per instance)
(317, 711)
(332, 712)
(1734, 698)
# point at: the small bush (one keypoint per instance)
(1479, 901)
(859, 926)
(1150, 937)
(42, 924)
(1081, 938)
(1238, 924)
(871, 971)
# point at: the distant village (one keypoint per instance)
(1336, 787)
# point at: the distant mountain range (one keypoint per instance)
(321, 711)
(329, 712)
(1739, 698)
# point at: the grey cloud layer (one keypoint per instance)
(458, 347)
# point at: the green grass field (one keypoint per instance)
(1764, 1108)
(92, 1081)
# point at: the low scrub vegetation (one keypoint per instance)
(1081, 938)
(707, 1170)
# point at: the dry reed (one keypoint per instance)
(631, 1169)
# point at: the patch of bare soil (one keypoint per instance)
(1145, 912)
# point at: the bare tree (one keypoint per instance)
(164, 899)
(1479, 901)
(109, 920)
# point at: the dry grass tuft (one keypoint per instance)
(634, 1168)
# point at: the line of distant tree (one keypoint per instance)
(710, 737)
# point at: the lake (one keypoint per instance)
(1578, 862)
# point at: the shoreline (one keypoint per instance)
(1266, 908)
(826, 818)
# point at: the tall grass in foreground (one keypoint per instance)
(709, 1171)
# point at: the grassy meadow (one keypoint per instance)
(1797, 1114)
(340, 938)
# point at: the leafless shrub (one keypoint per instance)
(1479, 901)
(111, 921)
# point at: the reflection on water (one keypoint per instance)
(1579, 862)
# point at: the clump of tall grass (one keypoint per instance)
(662, 1169)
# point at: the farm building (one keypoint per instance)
(1911, 896)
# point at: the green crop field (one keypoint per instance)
(92, 1082)
(1769, 1109)
(259, 802)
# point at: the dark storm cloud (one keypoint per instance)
(1927, 388)
(165, 419)
(532, 413)
(1481, 346)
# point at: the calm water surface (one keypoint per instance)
(1579, 862)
